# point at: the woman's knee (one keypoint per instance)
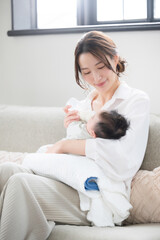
(7, 170)
(17, 179)
(7, 166)
(23, 179)
(18, 183)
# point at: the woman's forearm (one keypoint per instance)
(70, 146)
(74, 146)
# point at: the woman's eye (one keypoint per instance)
(86, 73)
(101, 67)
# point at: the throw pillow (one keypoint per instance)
(145, 197)
(16, 157)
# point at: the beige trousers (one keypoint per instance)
(30, 204)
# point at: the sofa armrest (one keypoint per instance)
(152, 155)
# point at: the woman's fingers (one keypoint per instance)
(66, 108)
(72, 113)
(68, 121)
(71, 117)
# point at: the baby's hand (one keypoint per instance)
(70, 116)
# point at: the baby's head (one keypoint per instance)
(108, 125)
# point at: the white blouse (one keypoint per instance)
(121, 159)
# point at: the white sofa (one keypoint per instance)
(25, 129)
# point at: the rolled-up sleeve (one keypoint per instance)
(121, 159)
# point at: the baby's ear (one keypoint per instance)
(92, 133)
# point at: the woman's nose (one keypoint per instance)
(96, 76)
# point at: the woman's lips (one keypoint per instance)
(100, 84)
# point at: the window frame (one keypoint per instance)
(87, 21)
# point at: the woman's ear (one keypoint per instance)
(116, 60)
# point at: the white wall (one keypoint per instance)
(39, 70)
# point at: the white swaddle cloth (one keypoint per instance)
(106, 207)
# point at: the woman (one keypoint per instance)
(30, 203)
(97, 61)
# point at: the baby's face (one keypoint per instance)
(91, 124)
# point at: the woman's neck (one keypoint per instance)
(106, 96)
(102, 97)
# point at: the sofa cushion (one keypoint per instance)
(145, 197)
(133, 232)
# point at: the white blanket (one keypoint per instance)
(106, 207)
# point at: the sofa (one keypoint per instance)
(23, 129)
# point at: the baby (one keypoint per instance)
(104, 124)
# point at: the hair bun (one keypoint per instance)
(121, 66)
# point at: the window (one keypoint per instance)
(50, 13)
(60, 16)
(124, 10)
(157, 9)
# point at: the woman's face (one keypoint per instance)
(96, 74)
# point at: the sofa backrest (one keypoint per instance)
(25, 129)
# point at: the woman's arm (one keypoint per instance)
(70, 146)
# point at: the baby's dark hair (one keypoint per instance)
(112, 125)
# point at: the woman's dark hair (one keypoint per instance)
(101, 46)
(112, 125)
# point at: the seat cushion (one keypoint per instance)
(133, 232)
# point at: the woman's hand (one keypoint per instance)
(70, 116)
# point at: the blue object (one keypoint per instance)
(91, 184)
